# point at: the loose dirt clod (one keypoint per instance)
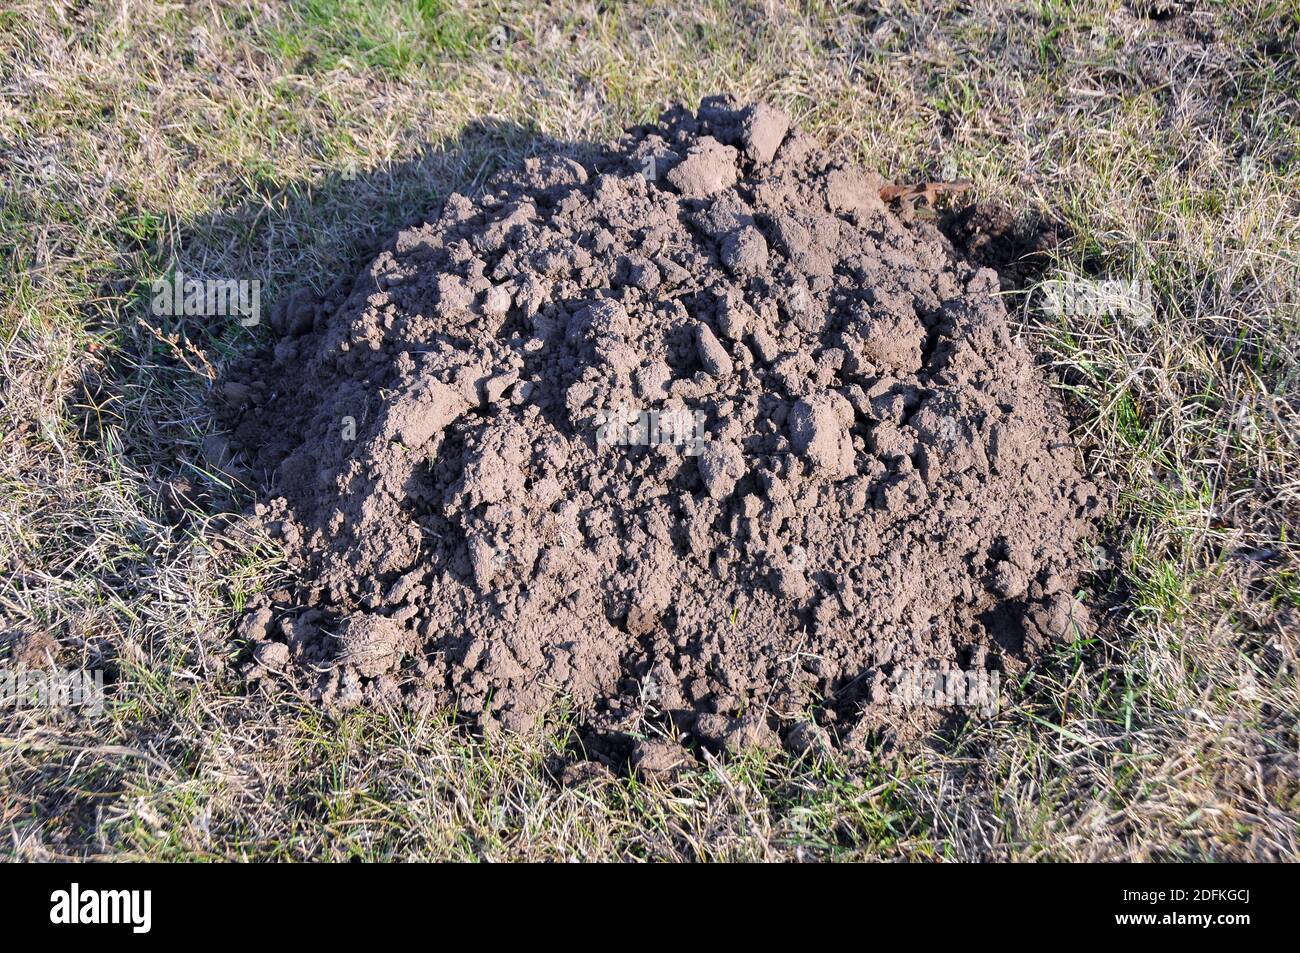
(694, 426)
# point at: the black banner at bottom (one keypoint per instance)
(147, 903)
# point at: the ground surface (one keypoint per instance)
(286, 142)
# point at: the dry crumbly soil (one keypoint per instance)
(881, 482)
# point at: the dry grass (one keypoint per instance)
(282, 141)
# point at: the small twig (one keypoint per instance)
(179, 347)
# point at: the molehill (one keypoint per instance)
(692, 432)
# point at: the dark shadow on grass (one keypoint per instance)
(152, 404)
(156, 395)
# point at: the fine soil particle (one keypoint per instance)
(694, 425)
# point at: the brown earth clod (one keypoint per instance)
(694, 427)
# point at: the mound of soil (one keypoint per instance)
(692, 425)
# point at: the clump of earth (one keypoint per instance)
(692, 430)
